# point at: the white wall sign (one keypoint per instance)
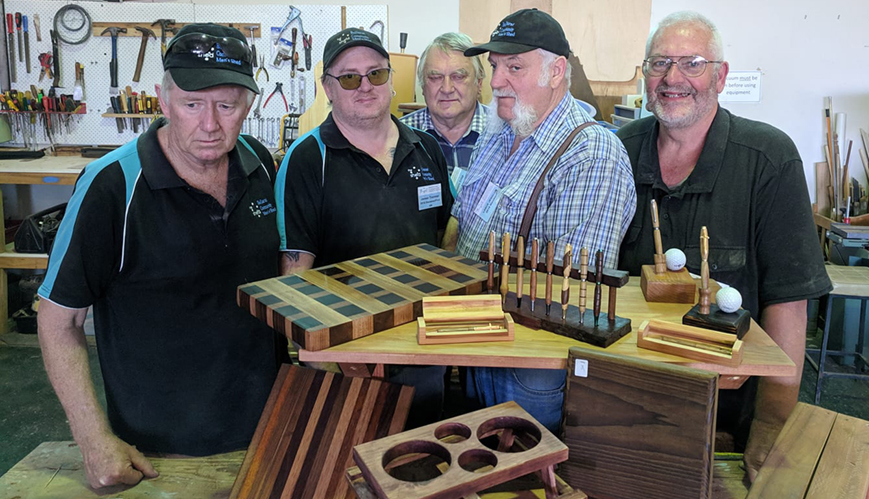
(742, 86)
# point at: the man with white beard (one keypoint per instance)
(586, 197)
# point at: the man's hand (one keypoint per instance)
(760, 441)
(111, 461)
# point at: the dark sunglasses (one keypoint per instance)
(200, 43)
(352, 81)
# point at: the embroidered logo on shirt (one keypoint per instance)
(262, 208)
(427, 175)
(415, 172)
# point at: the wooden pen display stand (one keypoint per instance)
(463, 319)
(461, 456)
(667, 287)
(690, 342)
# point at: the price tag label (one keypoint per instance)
(581, 368)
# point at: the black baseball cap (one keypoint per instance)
(202, 56)
(523, 31)
(350, 37)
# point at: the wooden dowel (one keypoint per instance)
(490, 282)
(535, 252)
(505, 266)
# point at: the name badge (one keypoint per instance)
(488, 202)
(429, 196)
(458, 176)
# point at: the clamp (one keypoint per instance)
(279, 87)
(262, 68)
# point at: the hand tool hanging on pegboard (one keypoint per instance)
(252, 43)
(113, 64)
(55, 57)
(307, 41)
(166, 26)
(140, 61)
(72, 24)
(36, 27)
(46, 61)
(10, 30)
(292, 16)
(294, 57)
(26, 43)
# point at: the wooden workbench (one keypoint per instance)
(540, 349)
(47, 170)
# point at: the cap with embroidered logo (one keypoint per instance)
(350, 37)
(202, 56)
(523, 31)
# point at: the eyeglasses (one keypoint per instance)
(691, 66)
(351, 81)
(201, 44)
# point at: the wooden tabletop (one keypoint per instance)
(62, 170)
(540, 349)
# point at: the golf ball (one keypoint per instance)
(675, 259)
(729, 300)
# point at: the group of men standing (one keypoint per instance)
(161, 232)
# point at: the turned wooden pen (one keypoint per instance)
(535, 252)
(583, 282)
(505, 265)
(520, 269)
(704, 271)
(565, 283)
(550, 264)
(490, 282)
(597, 285)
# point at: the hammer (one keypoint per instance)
(113, 65)
(164, 26)
(145, 34)
(252, 44)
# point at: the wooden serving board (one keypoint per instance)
(504, 438)
(637, 428)
(302, 445)
(323, 307)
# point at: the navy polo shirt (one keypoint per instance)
(186, 370)
(748, 187)
(344, 205)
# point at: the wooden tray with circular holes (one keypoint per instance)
(461, 456)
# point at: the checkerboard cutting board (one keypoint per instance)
(330, 305)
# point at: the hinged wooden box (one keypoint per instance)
(463, 319)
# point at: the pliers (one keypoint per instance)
(262, 67)
(45, 60)
(279, 87)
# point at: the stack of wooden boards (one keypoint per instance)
(331, 305)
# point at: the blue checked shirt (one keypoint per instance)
(458, 154)
(588, 197)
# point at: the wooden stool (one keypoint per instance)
(848, 282)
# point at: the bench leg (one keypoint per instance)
(822, 360)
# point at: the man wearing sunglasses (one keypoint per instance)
(586, 198)
(742, 179)
(157, 237)
(363, 183)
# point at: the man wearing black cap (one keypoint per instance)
(157, 236)
(586, 197)
(363, 183)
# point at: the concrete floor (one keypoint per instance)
(31, 414)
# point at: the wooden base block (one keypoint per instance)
(603, 335)
(736, 323)
(669, 287)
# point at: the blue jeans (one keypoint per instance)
(428, 395)
(538, 391)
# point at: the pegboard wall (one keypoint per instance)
(320, 21)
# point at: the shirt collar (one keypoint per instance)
(422, 120)
(332, 137)
(550, 133)
(702, 178)
(158, 172)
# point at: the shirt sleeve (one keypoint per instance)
(592, 199)
(298, 191)
(87, 250)
(790, 263)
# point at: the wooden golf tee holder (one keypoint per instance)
(706, 315)
(658, 283)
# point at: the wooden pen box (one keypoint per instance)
(463, 319)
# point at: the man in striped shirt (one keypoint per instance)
(451, 84)
(587, 198)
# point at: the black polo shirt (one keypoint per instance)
(748, 188)
(344, 205)
(186, 370)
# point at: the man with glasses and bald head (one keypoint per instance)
(743, 180)
(362, 182)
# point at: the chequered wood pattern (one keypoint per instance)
(338, 303)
